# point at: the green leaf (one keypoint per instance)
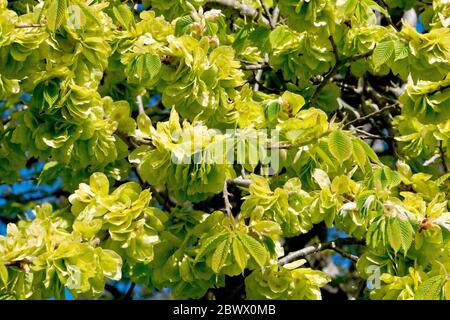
(321, 178)
(124, 16)
(56, 14)
(430, 289)
(220, 255)
(99, 183)
(359, 154)
(400, 233)
(239, 253)
(401, 50)
(182, 23)
(209, 244)
(49, 172)
(272, 111)
(327, 99)
(152, 64)
(383, 52)
(369, 151)
(320, 150)
(88, 12)
(51, 93)
(254, 248)
(394, 234)
(391, 178)
(3, 274)
(340, 145)
(407, 234)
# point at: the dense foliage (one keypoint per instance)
(334, 113)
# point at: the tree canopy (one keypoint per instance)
(209, 146)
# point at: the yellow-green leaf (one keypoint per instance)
(56, 14)
(430, 289)
(3, 274)
(254, 248)
(239, 253)
(359, 154)
(393, 234)
(220, 255)
(340, 145)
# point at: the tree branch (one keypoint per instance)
(444, 163)
(329, 75)
(259, 73)
(255, 66)
(370, 115)
(368, 135)
(33, 25)
(334, 245)
(267, 12)
(336, 66)
(226, 194)
(384, 5)
(240, 182)
(243, 9)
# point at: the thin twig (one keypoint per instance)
(431, 160)
(335, 68)
(334, 245)
(33, 25)
(226, 194)
(131, 141)
(359, 56)
(329, 75)
(444, 162)
(370, 115)
(267, 12)
(243, 9)
(255, 66)
(259, 73)
(275, 14)
(368, 135)
(384, 5)
(240, 182)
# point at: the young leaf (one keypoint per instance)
(400, 234)
(152, 64)
(49, 172)
(394, 234)
(220, 255)
(239, 253)
(56, 14)
(254, 248)
(209, 244)
(124, 16)
(368, 150)
(272, 110)
(3, 274)
(430, 289)
(383, 52)
(340, 145)
(359, 154)
(401, 50)
(182, 23)
(321, 177)
(407, 234)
